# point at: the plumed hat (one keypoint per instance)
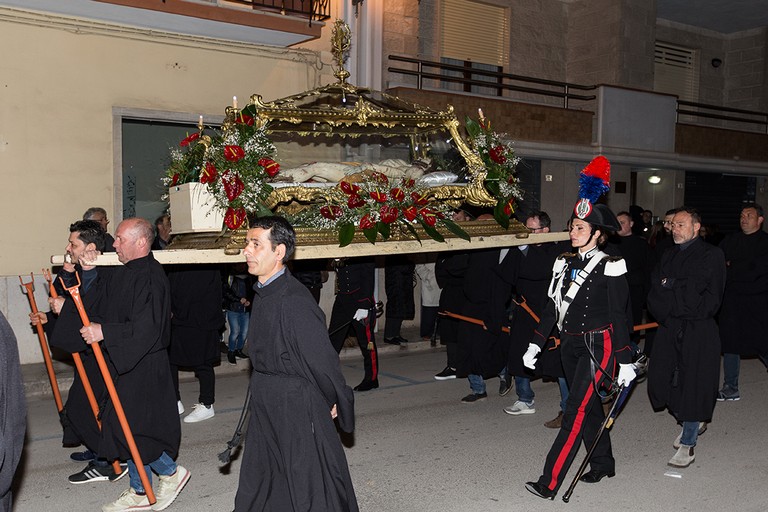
(594, 181)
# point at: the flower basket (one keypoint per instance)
(194, 210)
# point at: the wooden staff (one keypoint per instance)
(74, 292)
(29, 289)
(83, 376)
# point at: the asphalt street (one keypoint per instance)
(418, 448)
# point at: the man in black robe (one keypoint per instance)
(13, 422)
(743, 319)
(134, 322)
(686, 292)
(86, 237)
(293, 458)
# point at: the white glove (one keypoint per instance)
(529, 358)
(626, 374)
(522, 248)
(360, 315)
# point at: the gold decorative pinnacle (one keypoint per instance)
(341, 42)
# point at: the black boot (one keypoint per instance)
(367, 385)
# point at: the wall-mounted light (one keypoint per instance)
(654, 179)
(716, 63)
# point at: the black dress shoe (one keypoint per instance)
(540, 490)
(595, 475)
(367, 385)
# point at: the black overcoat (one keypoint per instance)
(398, 285)
(684, 371)
(13, 420)
(744, 313)
(135, 322)
(293, 458)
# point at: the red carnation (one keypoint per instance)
(366, 222)
(209, 173)
(235, 217)
(270, 166)
(190, 138)
(234, 153)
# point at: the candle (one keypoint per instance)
(234, 102)
(480, 113)
(200, 123)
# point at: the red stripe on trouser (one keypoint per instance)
(575, 434)
(374, 363)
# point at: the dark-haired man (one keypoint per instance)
(686, 292)
(293, 457)
(743, 321)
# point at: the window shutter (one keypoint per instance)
(474, 31)
(676, 71)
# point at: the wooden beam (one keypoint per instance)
(309, 252)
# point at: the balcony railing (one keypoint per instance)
(429, 70)
(319, 10)
(701, 110)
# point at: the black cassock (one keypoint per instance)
(293, 458)
(13, 420)
(135, 319)
(685, 370)
(744, 314)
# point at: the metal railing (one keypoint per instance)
(319, 10)
(722, 113)
(430, 70)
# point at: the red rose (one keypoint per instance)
(355, 201)
(388, 214)
(233, 185)
(379, 197)
(234, 153)
(349, 188)
(419, 199)
(244, 119)
(331, 212)
(270, 166)
(429, 216)
(209, 173)
(235, 217)
(509, 207)
(497, 154)
(410, 213)
(366, 222)
(397, 194)
(189, 139)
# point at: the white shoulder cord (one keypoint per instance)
(556, 284)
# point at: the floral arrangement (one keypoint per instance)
(377, 207)
(236, 165)
(500, 162)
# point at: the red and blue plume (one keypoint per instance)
(594, 180)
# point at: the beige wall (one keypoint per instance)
(58, 150)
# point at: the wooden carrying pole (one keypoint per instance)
(83, 376)
(74, 292)
(29, 289)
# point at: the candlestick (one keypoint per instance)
(234, 102)
(200, 123)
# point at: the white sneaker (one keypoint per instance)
(129, 500)
(170, 487)
(181, 407)
(199, 412)
(520, 408)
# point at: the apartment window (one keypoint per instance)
(474, 35)
(676, 71)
